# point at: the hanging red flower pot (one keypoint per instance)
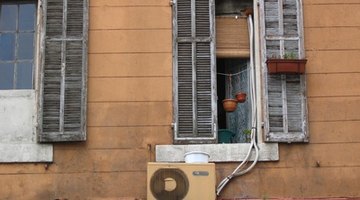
(230, 105)
(241, 97)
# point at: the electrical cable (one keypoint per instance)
(241, 168)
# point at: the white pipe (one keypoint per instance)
(239, 169)
(258, 67)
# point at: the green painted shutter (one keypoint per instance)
(62, 114)
(285, 95)
(195, 112)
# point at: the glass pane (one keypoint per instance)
(24, 75)
(7, 46)
(6, 75)
(8, 17)
(27, 17)
(26, 46)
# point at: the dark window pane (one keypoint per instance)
(6, 75)
(24, 75)
(27, 17)
(26, 46)
(8, 17)
(7, 46)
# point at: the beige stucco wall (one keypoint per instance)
(130, 111)
(332, 43)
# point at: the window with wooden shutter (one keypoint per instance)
(195, 112)
(284, 94)
(63, 71)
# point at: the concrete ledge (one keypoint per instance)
(18, 116)
(218, 152)
(26, 153)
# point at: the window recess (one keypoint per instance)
(183, 23)
(196, 82)
(233, 64)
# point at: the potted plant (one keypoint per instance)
(230, 105)
(240, 97)
(247, 133)
(290, 64)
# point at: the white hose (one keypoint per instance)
(241, 168)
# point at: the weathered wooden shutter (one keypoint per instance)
(285, 97)
(64, 69)
(195, 113)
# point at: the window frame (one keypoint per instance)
(286, 136)
(235, 151)
(74, 46)
(29, 150)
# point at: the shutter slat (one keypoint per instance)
(183, 18)
(63, 88)
(286, 104)
(204, 95)
(273, 49)
(202, 18)
(272, 18)
(275, 104)
(290, 18)
(185, 89)
(52, 87)
(54, 18)
(193, 72)
(294, 97)
(291, 46)
(75, 18)
(73, 86)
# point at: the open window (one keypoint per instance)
(203, 62)
(209, 69)
(233, 69)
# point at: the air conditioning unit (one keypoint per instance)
(167, 181)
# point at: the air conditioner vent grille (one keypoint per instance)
(159, 187)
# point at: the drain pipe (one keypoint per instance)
(241, 168)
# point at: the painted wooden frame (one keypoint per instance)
(281, 84)
(193, 42)
(66, 43)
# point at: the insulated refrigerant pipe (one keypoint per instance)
(241, 168)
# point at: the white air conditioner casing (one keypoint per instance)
(166, 181)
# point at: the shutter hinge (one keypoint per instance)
(172, 2)
(174, 127)
(215, 128)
